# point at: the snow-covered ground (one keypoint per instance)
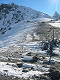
(22, 39)
(8, 69)
(55, 24)
(20, 33)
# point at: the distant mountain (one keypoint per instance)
(56, 15)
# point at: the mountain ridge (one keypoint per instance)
(12, 13)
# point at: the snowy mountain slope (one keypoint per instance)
(14, 13)
(10, 14)
(17, 24)
(17, 21)
(16, 33)
(21, 32)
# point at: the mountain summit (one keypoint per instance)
(12, 13)
(56, 15)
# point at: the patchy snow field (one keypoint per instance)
(8, 69)
(15, 46)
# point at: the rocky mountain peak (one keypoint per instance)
(56, 15)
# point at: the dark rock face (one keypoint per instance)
(34, 59)
(24, 70)
(54, 74)
(29, 54)
(45, 47)
(19, 65)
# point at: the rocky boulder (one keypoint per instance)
(54, 74)
(19, 65)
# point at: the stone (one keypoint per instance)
(54, 74)
(19, 65)
(28, 54)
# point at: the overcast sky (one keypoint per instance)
(46, 6)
